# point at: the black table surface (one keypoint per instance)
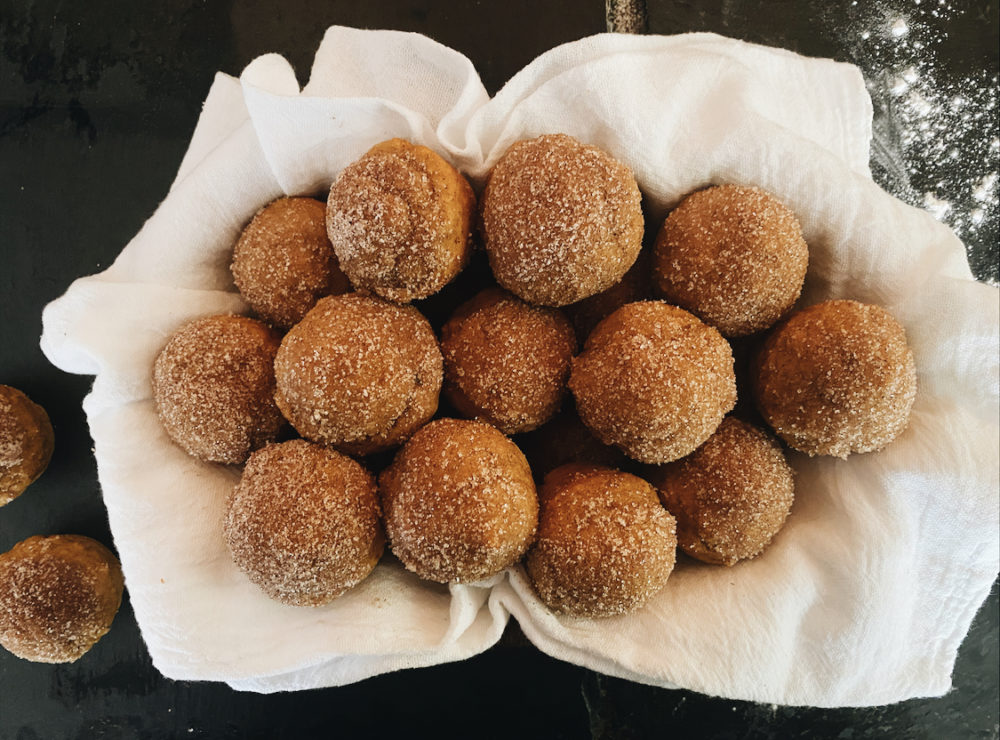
(97, 103)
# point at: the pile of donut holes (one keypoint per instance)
(515, 378)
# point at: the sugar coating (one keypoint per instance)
(506, 361)
(358, 373)
(213, 384)
(731, 496)
(58, 597)
(459, 502)
(605, 545)
(283, 261)
(836, 378)
(732, 255)
(400, 221)
(561, 220)
(303, 523)
(654, 381)
(26, 442)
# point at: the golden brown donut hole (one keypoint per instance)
(283, 261)
(459, 502)
(400, 221)
(213, 385)
(561, 221)
(358, 373)
(303, 523)
(605, 545)
(654, 381)
(26, 442)
(732, 255)
(506, 361)
(58, 597)
(836, 378)
(731, 496)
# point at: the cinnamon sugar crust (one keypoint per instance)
(836, 378)
(605, 545)
(561, 220)
(654, 381)
(400, 221)
(26, 442)
(358, 373)
(733, 256)
(731, 496)
(459, 500)
(283, 261)
(58, 597)
(213, 384)
(303, 523)
(506, 361)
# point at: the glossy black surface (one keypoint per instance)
(97, 103)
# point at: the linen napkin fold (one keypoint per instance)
(862, 599)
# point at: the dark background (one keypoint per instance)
(97, 102)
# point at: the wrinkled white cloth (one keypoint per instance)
(862, 599)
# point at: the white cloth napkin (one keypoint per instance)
(865, 595)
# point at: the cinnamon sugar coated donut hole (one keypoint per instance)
(358, 373)
(283, 261)
(400, 221)
(562, 221)
(213, 384)
(459, 502)
(732, 255)
(836, 378)
(506, 361)
(654, 381)
(58, 597)
(605, 545)
(26, 442)
(303, 523)
(731, 496)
